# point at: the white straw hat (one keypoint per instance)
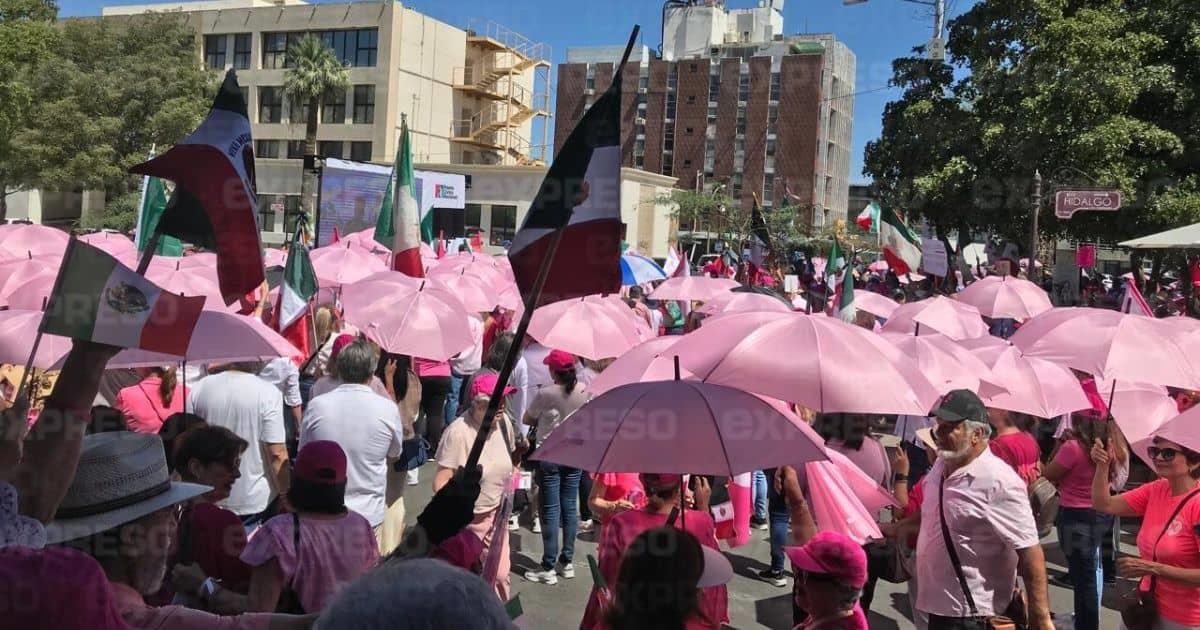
(122, 476)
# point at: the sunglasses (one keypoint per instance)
(804, 577)
(1164, 454)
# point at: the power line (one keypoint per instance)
(878, 89)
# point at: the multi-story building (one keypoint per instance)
(729, 101)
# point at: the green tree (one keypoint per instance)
(315, 72)
(27, 36)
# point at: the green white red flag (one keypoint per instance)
(399, 222)
(293, 315)
(868, 219)
(901, 246)
(844, 305)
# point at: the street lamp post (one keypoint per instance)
(936, 48)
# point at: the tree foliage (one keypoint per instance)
(315, 73)
(27, 37)
(701, 215)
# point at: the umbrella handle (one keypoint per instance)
(677, 367)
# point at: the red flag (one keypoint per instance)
(441, 245)
(336, 237)
(477, 242)
(732, 516)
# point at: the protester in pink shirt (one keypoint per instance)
(831, 571)
(149, 403)
(1013, 443)
(613, 493)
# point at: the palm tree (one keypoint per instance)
(315, 72)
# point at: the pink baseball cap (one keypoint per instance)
(322, 461)
(485, 384)
(559, 361)
(834, 554)
(342, 341)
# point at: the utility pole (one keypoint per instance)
(1033, 241)
(936, 49)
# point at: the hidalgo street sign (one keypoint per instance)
(1068, 202)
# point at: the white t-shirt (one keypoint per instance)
(367, 426)
(552, 405)
(284, 374)
(989, 518)
(329, 382)
(253, 409)
(538, 374)
(518, 401)
(467, 362)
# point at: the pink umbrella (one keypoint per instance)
(911, 276)
(1035, 386)
(1111, 345)
(171, 275)
(730, 302)
(1004, 296)
(678, 427)
(937, 315)
(219, 337)
(592, 327)
(206, 260)
(114, 243)
(834, 505)
(273, 257)
(489, 268)
(875, 304)
(986, 342)
(693, 288)
(426, 321)
(33, 294)
(813, 360)
(510, 298)
(1182, 429)
(648, 361)
(339, 265)
(476, 294)
(947, 365)
(17, 332)
(18, 239)
(1139, 409)
(879, 266)
(15, 273)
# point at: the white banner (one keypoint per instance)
(441, 190)
(933, 256)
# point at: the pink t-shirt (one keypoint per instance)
(1178, 547)
(1021, 451)
(1075, 489)
(143, 408)
(425, 367)
(333, 552)
(619, 486)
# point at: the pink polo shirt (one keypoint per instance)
(143, 407)
(1178, 547)
(426, 368)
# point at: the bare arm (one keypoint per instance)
(297, 416)
(277, 455)
(1031, 565)
(442, 477)
(266, 583)
(900, 481)
(1102, 498)
(1054, 472)
(803, 527)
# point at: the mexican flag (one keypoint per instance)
(837, 260)
(398, 225)
(868, 219)
(844, 305)
(293, 316)
(901, 246)
(98, 299)
(150, 210)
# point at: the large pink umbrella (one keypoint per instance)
(1110, 345)
(15, 273)
(730, 302)
(206, 260)
(648, 361)
(844, 499)
(18, 329)
(875, 304)
(1182, 429)
(19, 239)
(693, 288)
(592, 327)
(946, 364)
(476, 294)
(1035, 386)
(273, 257)
(339, 265)
(114, 243)
(813, 360)
(171, 275)
(33, 294)
(426, 321)
(1138, 408)
(678, 427)
(951, 318)
(1006, 297)
(488, 268)
(219, 337)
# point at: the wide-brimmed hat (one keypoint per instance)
(122, 476)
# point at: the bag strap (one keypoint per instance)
(295, 544)
(1178, 509)
(151, 401)
(954, 561)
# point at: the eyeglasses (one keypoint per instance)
(1165, 454)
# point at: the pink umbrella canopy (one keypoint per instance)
(951, 318)
(33, 294)
(1035, 386)
(1111, 345)
(219, 337)
(476, 294)
(339, 265)
(170, 275)
(17, 332)
(494, 269)
(730, 302)
(648, 361)
(1182, 429)
(273, 257)
(592, 327)
(812, 360)
(875, 304)
(844, 499)
(947, 365)
(207, 260)
(15, 273)
(18, 239)
(1139, 409)
(1006, 297)
(678, 427)
(693, 288)
(114, 243)
(425, 321)
(879, 266)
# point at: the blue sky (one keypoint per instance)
(877, 31)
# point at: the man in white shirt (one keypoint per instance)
(284, 374)
(366, 425)
(988, 520)
(252, 408)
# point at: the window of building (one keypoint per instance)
(356, 48)
(270, 104)
(774, 92)
(266, 149)
(591, 77)
(245, 90)
(714, 87)
(214, 51)
(330, 148)
(668, 164)
(241, 51)
(691, 99)
(744, 88)
(364, 104)
(368, 48)
(644, 82)
(504, 224)
(770, 146)
(274, 53)
(474, 214)
(333, 107)
(639, 161)
(687, 130)
(360, 151)
(772, 112)
(639, 145)
(295, 149)
(712, 114)
(669, 137)
(297, 111)
(768, 195)
(670, 106)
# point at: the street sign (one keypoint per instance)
(1068, 202)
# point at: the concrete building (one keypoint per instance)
(733, 101)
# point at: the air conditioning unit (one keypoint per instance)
(589, 91)
(639, 120)
(642, 90)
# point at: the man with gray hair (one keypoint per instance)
(977, 531)
(366, 425)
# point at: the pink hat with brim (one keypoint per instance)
(833, 554)
(485, 384)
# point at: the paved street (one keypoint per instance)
(752, 603)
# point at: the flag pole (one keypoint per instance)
(531, 301)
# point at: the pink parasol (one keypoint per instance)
(15, 273)
(114, 243)
(20, 239)
(679, 427)
(875, 304)
(1182, 429)
(204, 260)
(693, 288)
(1035, 386)
(812, 360)
(879, 266)
(476, 294)
(17, 332)
(33, 294)
(219, 337)
(937, 315)
(593, 327)
(339, 265)
(1111, 345)
(1138, 408)
(510, 298)
(1006, 297)
(730, 302)
(273, 257)
(844, 499)
(493, 269)
(648, 361)
(426, 320)
(947, 365)
(170, 275)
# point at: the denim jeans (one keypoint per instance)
(585, 491)
(452, 397)
(1080, 532)
(560, 505)
(760, 495)
(778, 515)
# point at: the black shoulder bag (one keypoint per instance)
(1139, 609)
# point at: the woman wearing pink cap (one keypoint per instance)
(831, 570)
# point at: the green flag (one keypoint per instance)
(845, 303)
(837, 260)
(385, 224)
(154, 202)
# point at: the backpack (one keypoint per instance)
(1043, 498)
